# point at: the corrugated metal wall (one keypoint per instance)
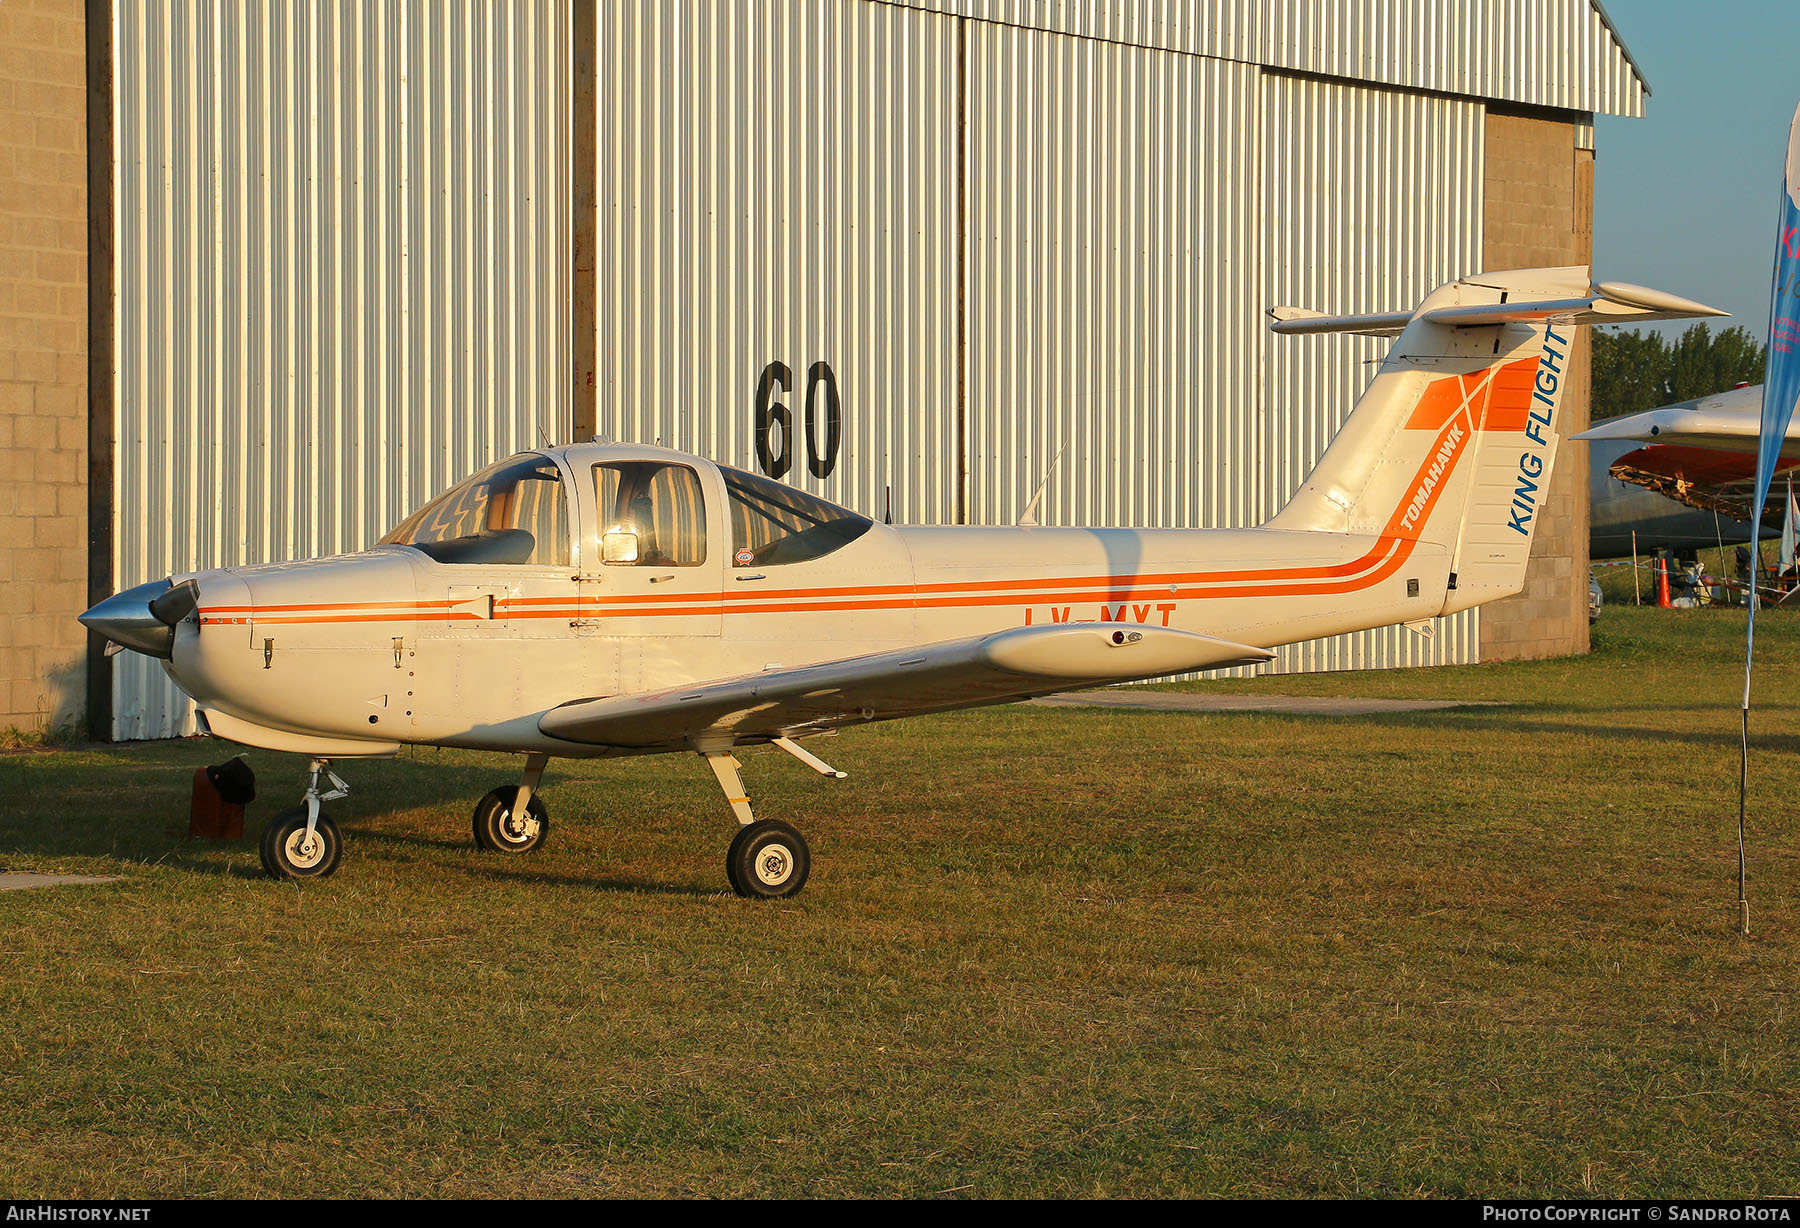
(1113, 282)
(777, 184)
(1546, 53)
(1372, 198)
(341, 245)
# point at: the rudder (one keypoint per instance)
(1454, 443)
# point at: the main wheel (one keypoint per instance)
(287, 851)
(768, 860)
(498, 829)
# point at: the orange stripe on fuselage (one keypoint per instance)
(1389, 552)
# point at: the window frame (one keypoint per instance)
(571, 522)
(598, 528)
(756, 506)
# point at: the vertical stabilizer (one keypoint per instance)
(1454, 442)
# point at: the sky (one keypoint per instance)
(1686, 198)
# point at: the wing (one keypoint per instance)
(1728, 421)
(990, 669)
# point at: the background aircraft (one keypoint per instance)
(1700, 453)
(1644, 515)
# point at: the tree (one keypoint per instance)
(1737, 358)
(1636, 371)
(1630, 372)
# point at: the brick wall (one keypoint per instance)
(43, 363)
(1539, 212)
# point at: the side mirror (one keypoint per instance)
(619, 548)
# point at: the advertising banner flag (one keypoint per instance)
(1781, 389)
(1781, 379)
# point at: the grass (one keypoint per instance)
(12, 737)
(1474, 952)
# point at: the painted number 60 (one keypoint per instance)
(775, 421)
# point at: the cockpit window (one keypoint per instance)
(652, 514)
(773, 524)
(514, 512)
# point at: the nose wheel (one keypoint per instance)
(291, 850)
(302, 841)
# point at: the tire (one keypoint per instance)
(494, 826)
(768, 860)
(285, 854)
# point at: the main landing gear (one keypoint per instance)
(513, 818)
(302, 841)
(768, 859)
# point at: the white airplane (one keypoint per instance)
(1701, 453)
(602, 600)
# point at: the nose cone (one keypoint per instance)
(143, 618)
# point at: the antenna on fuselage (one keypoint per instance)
(1029, 517)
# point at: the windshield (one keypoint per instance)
(773, 524)
(513, 512)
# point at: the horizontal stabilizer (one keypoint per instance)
(1609, 303)
(1300, 322)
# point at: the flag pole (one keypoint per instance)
(1755, 599)
(1743, 791)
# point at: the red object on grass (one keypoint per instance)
(211, 816)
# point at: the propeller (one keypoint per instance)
(144, 618)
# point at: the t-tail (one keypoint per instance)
(1451, 448)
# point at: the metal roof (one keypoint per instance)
(1561, 54)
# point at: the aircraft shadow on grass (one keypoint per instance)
(516, 872)
(1516, 718)
(138, 812)
(1540, 719)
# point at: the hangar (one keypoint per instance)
(270, 276)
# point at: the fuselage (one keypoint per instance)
(457, 642)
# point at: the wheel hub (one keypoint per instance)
(305, 849)
(774, 863)
(516, 829)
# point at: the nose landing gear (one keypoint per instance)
(302, 841)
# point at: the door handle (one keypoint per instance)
(741, 579)
(660, 579)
